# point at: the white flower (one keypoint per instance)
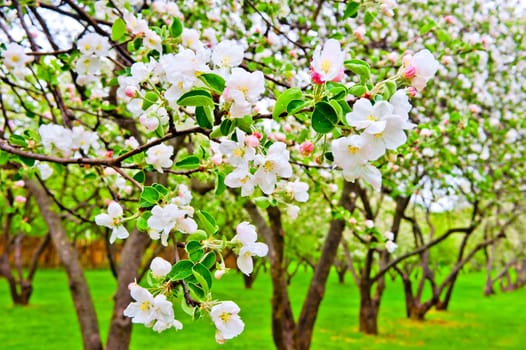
(299, 190)
(134, 24)
(420, 68)
(169, 217)
(366, 172)
(371, 118)
(293, 211)
(83, 139)
(112, 220)
(184, 196)
(227, 54)
(237, 153)
(276, 163)
(226, 320)
(15, 56)
(350, 151)
(151, 311)
(327, 64)
(45, 170)
(390, 246)
(143, 309)
(242, 90)
(94, 44)
(247, 236)
(60, 137)
(241, 177)
(160, 157)
(160, 267)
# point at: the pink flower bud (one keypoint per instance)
(251, 141)
(217, 159)
(277, 136)
(130, 91)
(392, 57)
(411, 91)
(149, 123)
(410, 72)
(20, 199)
(19, 183)
(369, 223)
(352, 221)
(306, 148)
(258, 135)
(449, 19)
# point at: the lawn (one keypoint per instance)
(474, 322)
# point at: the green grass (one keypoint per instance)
(474, 322)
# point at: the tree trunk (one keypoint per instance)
(309, 312)
(119, 335)
(78, 285)
(368, 312)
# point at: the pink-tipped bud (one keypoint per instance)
(316, 77)
(411, 91)
(19, 183)
(130, 91)
(277, 136)
(258, 135)
(352, 221)
(369, 223)
(306, 148)
(150, 123)
(20, 199)
(449, 19)
(251, 141)
(287, 127)
(217, 159)
(410, 72)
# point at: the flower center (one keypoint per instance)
(145, 305)
(268, 166)
(238, 152)
(326, 65)
(372, 118)
(225, 316)
(353, 149)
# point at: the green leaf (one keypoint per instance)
(244, 123)
(226, 127)
(139, 176)
(369, 17)
(195, 250)
(197, 97)
(428, 25)
(262, 202)
(324, 118)
(389, 89)
(27, 161)
(337, 108)
(187, 308)
(357, 90)
(196, 292)
(176, 28)
(198, 235)
(204, 116)
(17, 140)
(220, 184)
(351, 10)
(359, 67)
(215, 82)
(189, 162)
(209, 260)
(295, 106)
(149, 197)
(161, 189)
(203, 276)
(118, 29)
(206, 222)
(284, 99)
(181, 270)
(142, 221)
(4, 157)
(149, 99)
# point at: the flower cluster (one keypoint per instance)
(67, 141)
(383, 126)
(247, 236)
(176, 215)
(15, 59)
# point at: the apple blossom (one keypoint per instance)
(160, 267)
(227, 321)
(165, 219)
(247, 236)
(327, 63)
(160, 157)
(275, 163)
(420, 68)
(113, 220)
